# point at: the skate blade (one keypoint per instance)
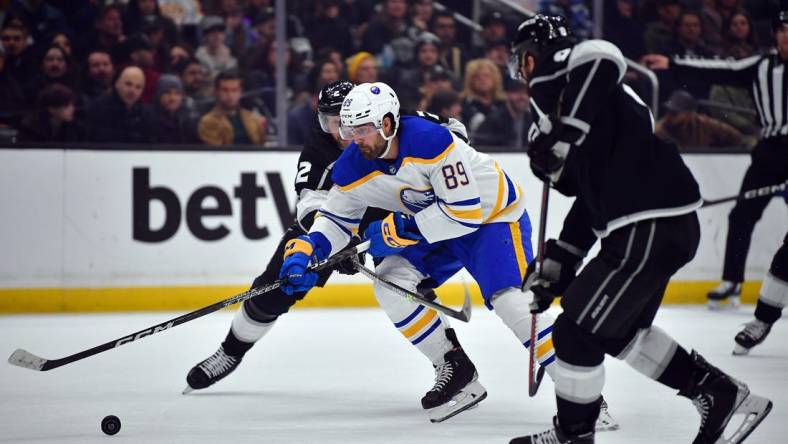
(467, 398)
(606, 423)
(730, 303)
(740, 351)
(187, 390)
(755, 409)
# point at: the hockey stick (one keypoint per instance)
(767, 191)
(25, 359)
(463, 314)
(535, 379)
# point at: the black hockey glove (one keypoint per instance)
(347, 267)
(560, 264)
(548, 152)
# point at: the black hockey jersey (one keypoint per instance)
(618, 169)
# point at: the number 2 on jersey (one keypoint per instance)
(450, 173)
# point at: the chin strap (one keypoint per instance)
(388, 140)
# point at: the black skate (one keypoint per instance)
(727, 291)
(717, 397)
(456, 387)
(555, 436)
(753, 334)
(211, 370)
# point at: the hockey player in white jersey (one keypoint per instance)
(451, 207)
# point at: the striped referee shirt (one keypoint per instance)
(766, 77)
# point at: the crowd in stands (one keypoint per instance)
(204, 72)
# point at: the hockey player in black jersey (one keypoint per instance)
(593, 139)
(766, 77)
(454, 370)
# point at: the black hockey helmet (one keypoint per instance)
(534, 36)
(329, 101)
(781, 19)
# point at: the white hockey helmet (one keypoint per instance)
(364, 109)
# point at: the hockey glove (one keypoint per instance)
(347, 266)
(392, 234)
(548, 153)
(560, 264)
(295, 273)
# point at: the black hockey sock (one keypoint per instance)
(767, 313)
(575, 418)
(234, 346)
(679, 369)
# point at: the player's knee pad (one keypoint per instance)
(578, 383)
(774, 291)
(250, 324)
(575, 345)
(424, 327)
(512, 306)
(649, 352)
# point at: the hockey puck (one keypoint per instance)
(110, 425)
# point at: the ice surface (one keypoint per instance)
(337, 376)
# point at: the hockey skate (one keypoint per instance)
(727, 291)
(211, 370)
(456, 387)
(605, 422)
(717, 397)
(555, 436)
(753, 334)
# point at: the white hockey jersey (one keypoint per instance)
(450, 188)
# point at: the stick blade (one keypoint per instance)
(25, 359)
(466, 305)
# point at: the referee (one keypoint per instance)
(766, 76)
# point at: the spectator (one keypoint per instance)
(239, 33)
(498, 53)
(576, 13)
(329, 53)
(660, 34)
(120, 116)
(141, 55)
(410, 81)
(214, 54)
(688, 42)
(329, 29)
(324, 72)
(41, 18)
(445, 103)
(685, 127)
(53, 119)
(107, 31)
(301, 120)
(63, 40)
(142, 13)
(390, 24)
(98, 75)
(12, 99)
(193, 79)
(20, 61)
(55, 68)
(177, 55)
(740, 40)
(186, 14)
(421, 14)
(227, 123)
(437, 79)
(623, 28)
(453, 54)
(362, 68)
(494, 29)
(264, 27)
(482, 93)
(508, 126)
(261, 74)
(171, 120)
(715, 14)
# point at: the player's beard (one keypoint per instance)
(374, 151)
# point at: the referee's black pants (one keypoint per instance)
(769, 166)
(617, 294)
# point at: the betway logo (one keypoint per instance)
(142, 334)
(196, 211)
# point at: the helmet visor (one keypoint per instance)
(351, 132)
(513, 65)
(329, 123)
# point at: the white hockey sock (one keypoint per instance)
(511, 305)
(247, 329)
(774, 291)
(424, 327)
(649, 352)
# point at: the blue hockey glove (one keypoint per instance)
(392, 234)
(298, 256)
(560, 264)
